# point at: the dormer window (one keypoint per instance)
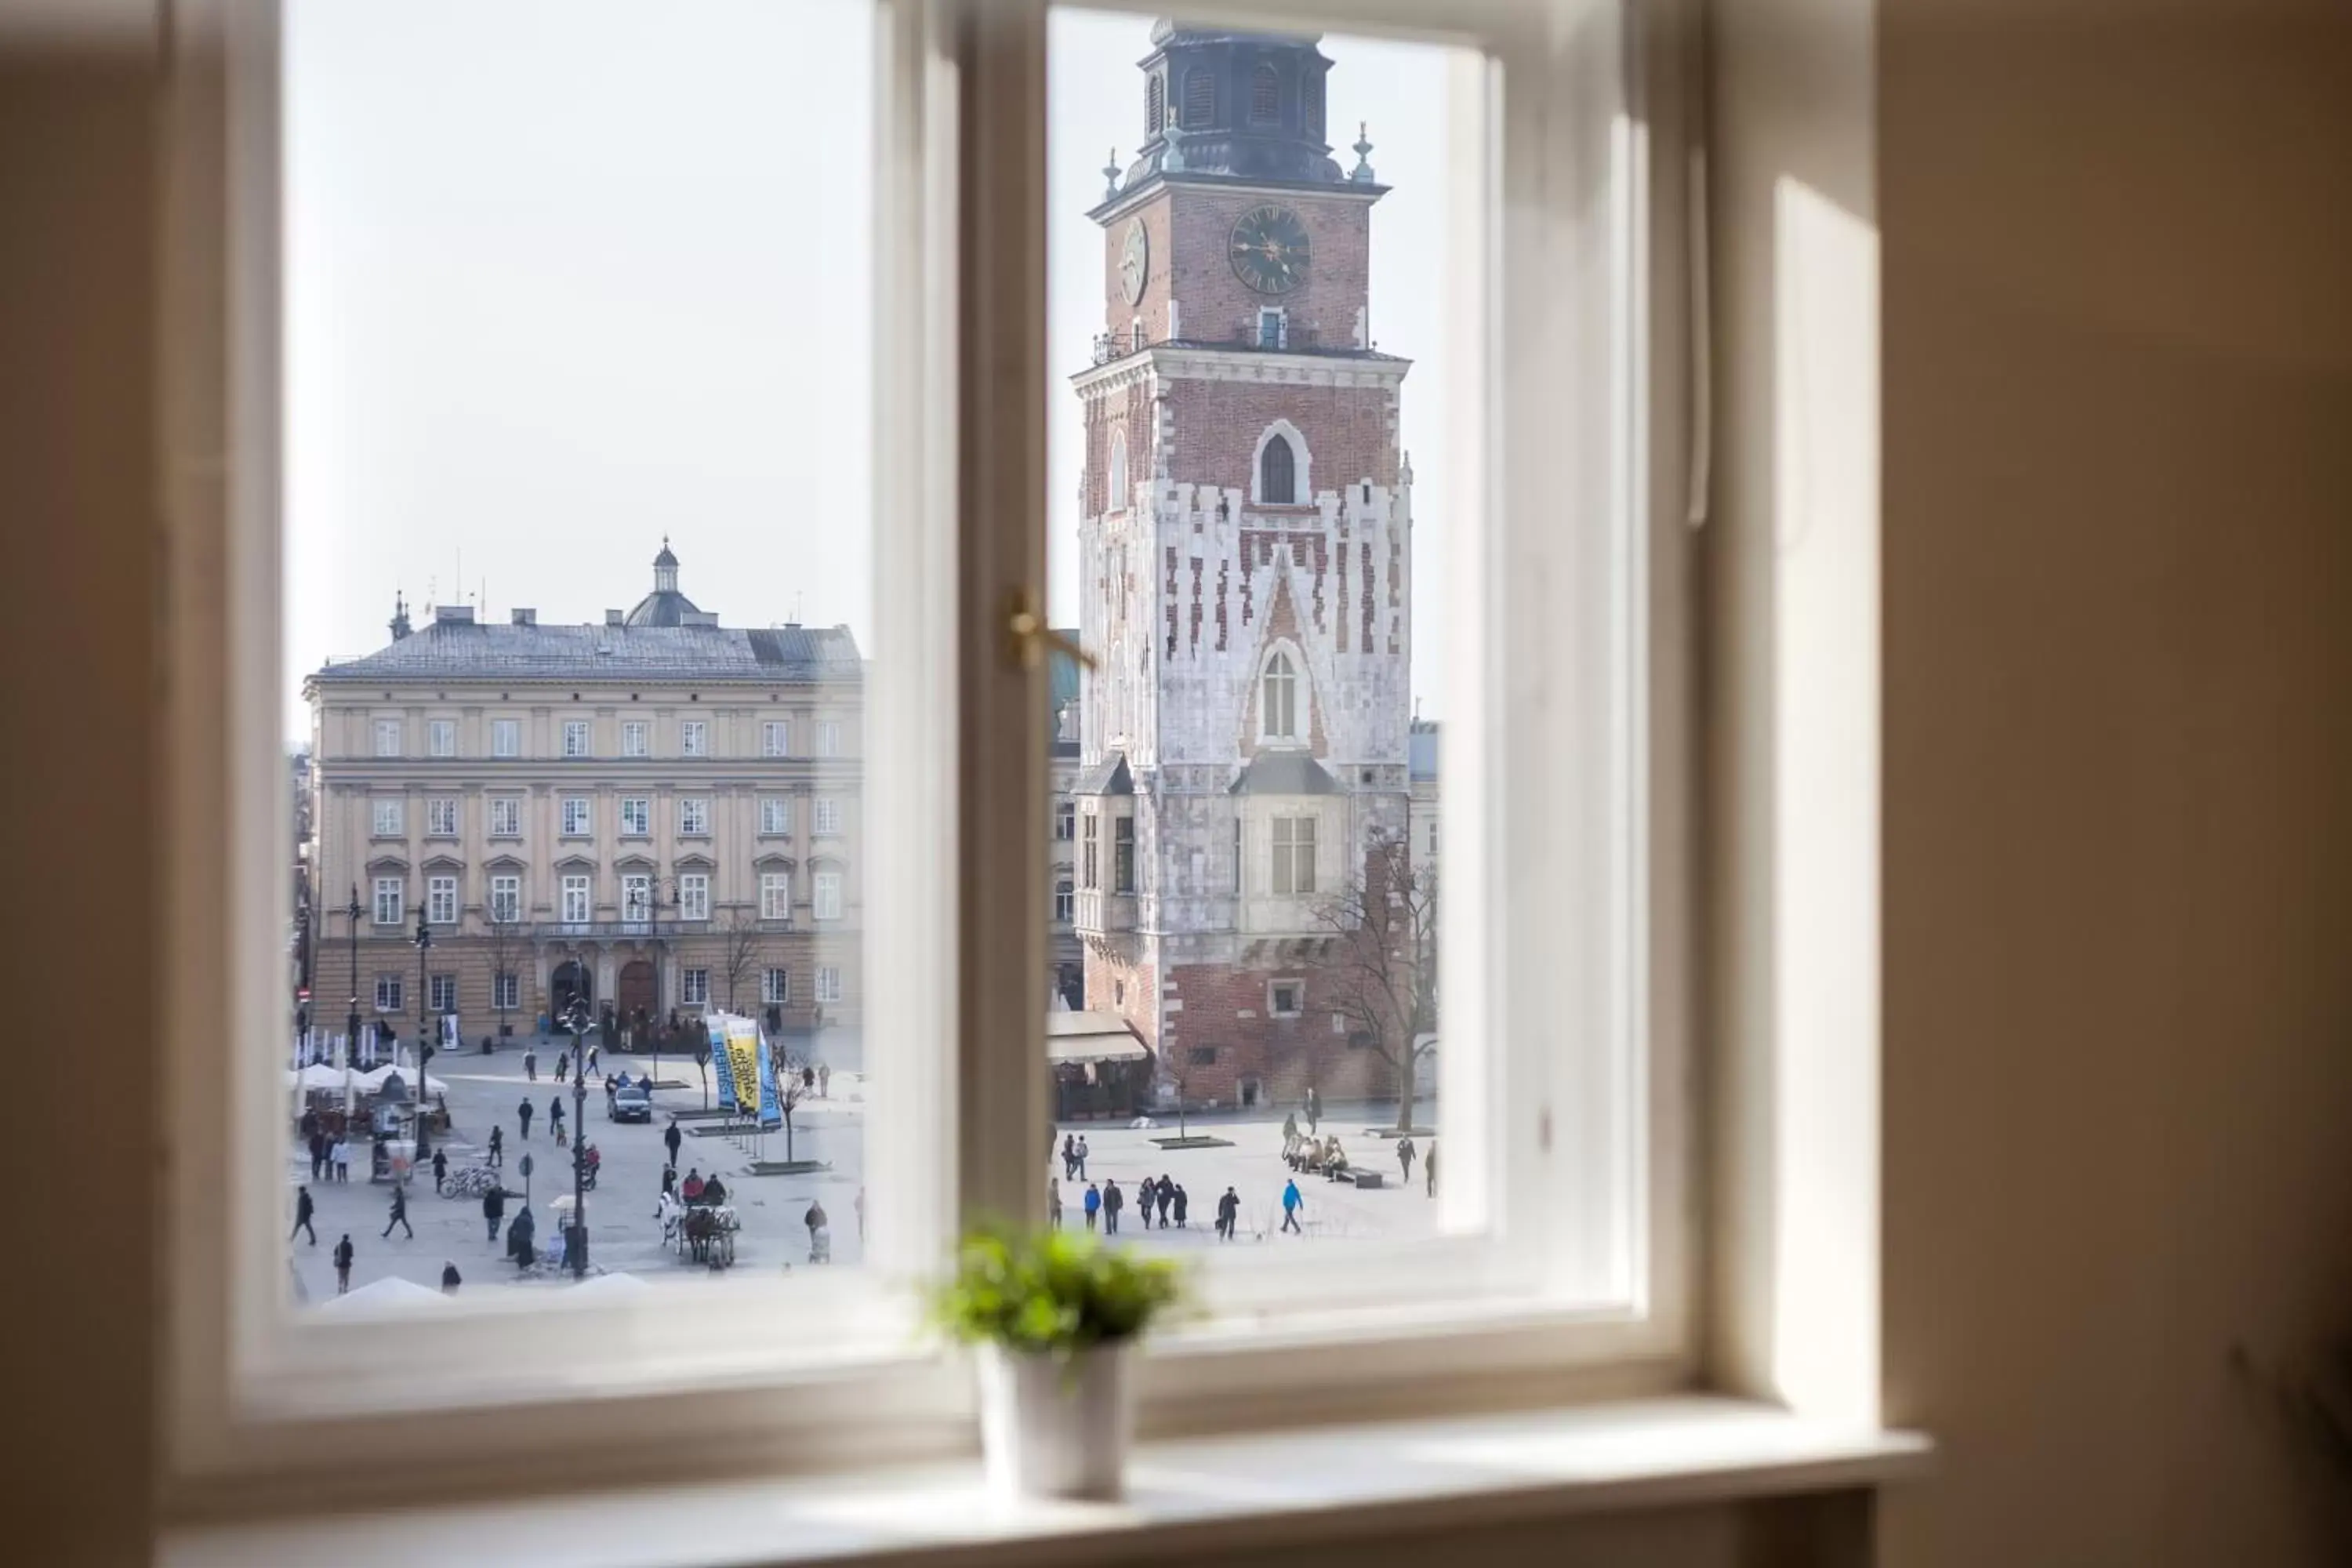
(1266, 95)
(1279, 699)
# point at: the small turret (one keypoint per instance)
(399, 623)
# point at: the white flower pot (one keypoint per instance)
(1052, 1428)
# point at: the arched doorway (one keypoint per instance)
(636, 988)
(571, 979)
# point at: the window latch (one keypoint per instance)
(1031, 637)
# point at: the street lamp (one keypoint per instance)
(424, 1031)
(575, 1238)
(352, 1043)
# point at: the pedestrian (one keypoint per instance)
(494, 1208)
(591, 1058)
(1053, 1203)
(440, 1170)
(521, 1236)
(522, 1115)
(1113, 1201)
(824, 1080)
(399, 1212)
(1181, 1202)
(1429, 1169)
(1289, 1130)
(563, 1065)
(808, 1081)
(1314, 1112)
(1143, 1196)
(820, 1231)
(555, 1118)
(1069, 1157)
(343, 1265)
(1083, 1153)
(317, 1154)
(449, 1279)
(497, 1145)
(303, 1208)
(1093, 1205)
(670, 1180)
(531, 1062)
(1404, 1155)
(1229, 1209)
(1290, 1204)
(340, 1156)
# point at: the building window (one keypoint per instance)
(1122, 855)
(1116, 500)
(1064, 901)
(506, 899)
(388, 815)
(1155, 105)
(694, 896)
(444, 995)
(1285, 998)
(694, 987)
(824, 896)
(441, 901)
(575, 737)
(506, 737)
(776, 987)
(387, 737)
(1266, 95)
(576, 819)
(1278, 477)
(1089, 848)
(1273, 332)
(637, 816)
(390, 894)
(775, 895)
(1279, 699)
(1200, 98)
(506, 817)
(441, 816)
(775, 815)
(441, 737)
(828, 817)
(694, 737)
(828, 738)
(694, 816)
(828, 982)
(634, 739)
(1201, 1056)
(1310, 104)
(776, 738)
(387, 993)
(637, 896)
(506, 990)
(1066, 820)
(1135, 338)
(575, 899)
(1293, 856)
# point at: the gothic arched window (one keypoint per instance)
(1155, 107)
(1118, 465)
(1279, 699)
(1266, 95)
(1200, 98)
(1277, 481)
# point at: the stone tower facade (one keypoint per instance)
(1245, 541)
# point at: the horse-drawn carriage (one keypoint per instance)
(699, 1232)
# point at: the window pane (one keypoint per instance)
(1247, 949)
(555, 279)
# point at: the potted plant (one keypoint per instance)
(1053, 1316)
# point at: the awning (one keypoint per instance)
(1091, 1038)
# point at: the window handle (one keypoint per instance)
(1031, 637)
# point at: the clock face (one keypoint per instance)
(1134, 261)
(1269, 249)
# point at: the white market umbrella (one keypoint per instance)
(317, 1074)
(398, 1295)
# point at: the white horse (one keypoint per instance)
(669, 1211)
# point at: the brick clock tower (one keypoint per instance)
(1246, 540)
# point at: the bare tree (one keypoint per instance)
(741, 955)
(1381, 959)
(505, 949)
(791, 1088)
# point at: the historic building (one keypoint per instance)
(657, 812)
(1245, 539)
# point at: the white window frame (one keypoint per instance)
(576, 816)
(441, 899)
(828, 736)
(390, 997)
(441, 737)
(1596, 1277)
(775, 815)
(442, 996)
(694, 894)
(775, 895)
(1295, 845)
(1065, 821)
(635, 738)
(825, 817)
(441, 816)
(506, 990)
(579, 739)
(825, 895)
(506, 817)
(828, 982)
(576, 885)
(636, 897)
(694, 737)
(506, 897)
(637, 816)
(776, 986)
(694, 816)
(390, 904)
(694, 987)
(1299, 723)
(776, 737)
(388, 737)
(387, 817)
(505, 738)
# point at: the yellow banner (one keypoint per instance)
(743, 1061)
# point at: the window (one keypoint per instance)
(1155, 110)
(634, 737)
(1266, 95)
(390, 894)
(1270, 335)
(506, 990)
(387, 993)
(575, 737)
(693, 738)
(1311, 102)
(506, 737)
(1136, 339)
(576, 819)
(636, 897)
(387, 737)
(444, 995)
(637, 816)
(1066, 820)
(1064, 901)
(506, 897)
(775, 815)
(694, 816)
(776, 738)
(828, 738)
(776, 987)
(441, 737)
(1284, 998)
(1116, 500)
(1200, 98)
(828, 817)
(824, 896)
(694, 987)
(441, 901)
(1122, 854)
(775, 895)
(694, 896)
(1293, 856)
(388, 814)
(1276, 478)
(506, 817)
(1201, 1056)
(576, 904)
(828, 982)
(1089, 849)
(1279, 699)
(441, 816)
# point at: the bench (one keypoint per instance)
(1368, 1178)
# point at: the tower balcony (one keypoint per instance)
(1246, 337)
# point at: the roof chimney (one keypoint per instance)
(448, 615)
(525, 617)
(611, 617)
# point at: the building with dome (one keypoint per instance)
(652, 811)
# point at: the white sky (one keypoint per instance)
(564, 276)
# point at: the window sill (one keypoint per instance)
(1198, 1494)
